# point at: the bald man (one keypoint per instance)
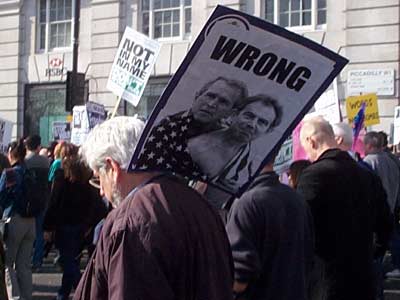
(344, 200)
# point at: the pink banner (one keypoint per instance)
(298, 151)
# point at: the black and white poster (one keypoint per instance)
(61, 131)
(235, 99)
(5, 134)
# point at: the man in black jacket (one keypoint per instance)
(271, 236)
(348, 204)
(39, 165)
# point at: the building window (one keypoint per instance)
(55, 24)
(167, 19)
(296, 13)
(321, 14)
(44, 105)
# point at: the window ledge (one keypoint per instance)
(177, 40)
(55, 50)
(306, 29)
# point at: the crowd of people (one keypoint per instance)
(150, 235)
(45, 199)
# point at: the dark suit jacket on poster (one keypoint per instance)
(348, 204)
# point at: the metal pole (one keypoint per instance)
(75, 46)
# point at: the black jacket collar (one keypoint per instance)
(334, 154)
(265, 179)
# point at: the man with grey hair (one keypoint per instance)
(163, 240)
(384, 166)
(343, 136)
(344, 139)
(344, 200)
(389, 172)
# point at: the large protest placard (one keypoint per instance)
(132, 65)
(235, 99)
(5, 134)
(353, 104)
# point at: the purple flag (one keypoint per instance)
(358, 123)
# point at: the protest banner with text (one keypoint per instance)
(132, 65)
(353, 104)
(235, 99)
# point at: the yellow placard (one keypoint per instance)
(353, 104)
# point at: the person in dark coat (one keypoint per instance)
(69, 216)
(162, 240)
(271, 235)
(348, 206)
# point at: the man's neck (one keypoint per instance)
(129, 181)
(30, 152)
(325, 147)
(268, 168)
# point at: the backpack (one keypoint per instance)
(26, 196)
(30, 203)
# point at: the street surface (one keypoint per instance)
(48, 279)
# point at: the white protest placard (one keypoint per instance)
(132, 65)
(328, 106)
(80, 125)
(5, 134)
(284, 157)
(396, 126)
(61, 130)
(237, 96)
(378, 81)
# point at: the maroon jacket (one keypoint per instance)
(163, 242)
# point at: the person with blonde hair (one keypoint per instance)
(56, 164)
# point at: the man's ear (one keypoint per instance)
(339, 140)
(114, 167)
(313, 142)
(309, 141)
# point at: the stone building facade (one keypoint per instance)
(36, 46)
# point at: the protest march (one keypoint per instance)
(173, 150)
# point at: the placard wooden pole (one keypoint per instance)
(116, 107)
